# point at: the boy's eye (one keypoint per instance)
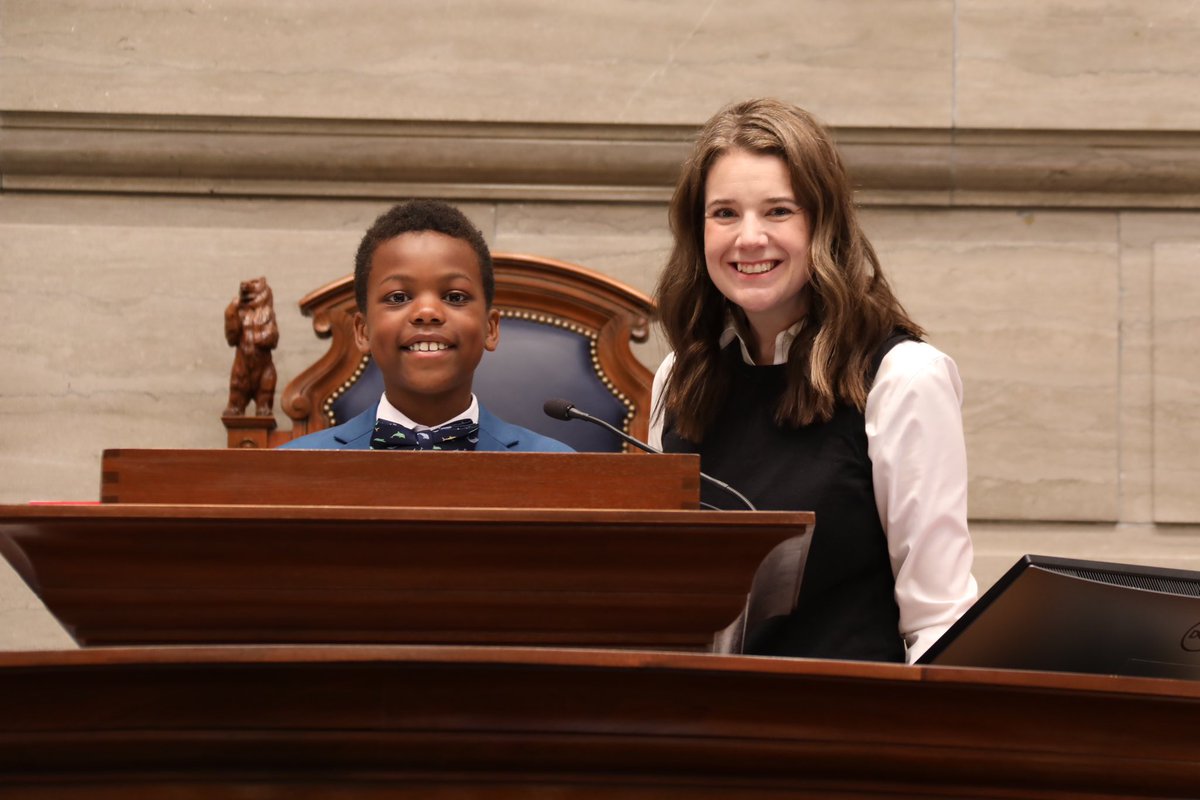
(457, 298)
(395, 298)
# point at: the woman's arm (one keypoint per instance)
(919, 466)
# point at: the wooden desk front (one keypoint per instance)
(440, 722)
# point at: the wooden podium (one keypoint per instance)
(350, 625)
(601, 550)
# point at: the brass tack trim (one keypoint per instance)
(327, 407)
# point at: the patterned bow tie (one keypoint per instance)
(461, 434)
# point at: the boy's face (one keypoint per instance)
(426, 323)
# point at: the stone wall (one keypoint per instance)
(1030, 173)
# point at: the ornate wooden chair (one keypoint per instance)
(565, 332)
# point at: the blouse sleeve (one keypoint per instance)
(656, 396)
(919, 466)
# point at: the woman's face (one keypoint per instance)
(756, 240)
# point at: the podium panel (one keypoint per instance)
(401, 478)
(164, 574)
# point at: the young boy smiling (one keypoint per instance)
(424, 286)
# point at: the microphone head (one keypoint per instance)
(558, 408)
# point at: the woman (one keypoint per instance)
(801, 381)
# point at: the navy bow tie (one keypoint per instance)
(461, 434)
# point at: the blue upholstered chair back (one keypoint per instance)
(565, 332)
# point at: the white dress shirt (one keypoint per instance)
(919, 469)
(392, 414)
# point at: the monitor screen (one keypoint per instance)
(1068, 615)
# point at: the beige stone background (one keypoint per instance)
(1030, 173)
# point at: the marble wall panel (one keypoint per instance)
(1176, 382)
(1137, 370)
(627, 242)
(114, 337)
(1141, 234)
(166, 211)
(873, 62)
(1027, 305)
(999, 545)
(1080, 64)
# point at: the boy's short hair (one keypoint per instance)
(415, 216)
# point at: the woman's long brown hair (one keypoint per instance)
(851, 308)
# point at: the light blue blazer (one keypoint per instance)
(495, 435)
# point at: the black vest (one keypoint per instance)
(847, 607)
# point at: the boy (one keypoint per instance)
(424, 286)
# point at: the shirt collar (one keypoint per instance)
(392, 414)
(783, 342)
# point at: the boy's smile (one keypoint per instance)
(426, 323)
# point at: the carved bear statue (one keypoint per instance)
(250, 327)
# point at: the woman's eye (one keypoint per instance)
(781, 212)
(722, 213)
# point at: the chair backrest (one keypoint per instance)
(565, 332)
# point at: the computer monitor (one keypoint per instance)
(1068, 615)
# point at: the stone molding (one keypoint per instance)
(293, 157)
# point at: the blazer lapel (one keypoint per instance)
(494, 435)
(356, 433)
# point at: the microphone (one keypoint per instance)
(558, 408)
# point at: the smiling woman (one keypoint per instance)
(800, 380)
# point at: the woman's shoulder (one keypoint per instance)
(912, 363)
(912, 355)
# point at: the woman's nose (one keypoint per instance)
(751, 232)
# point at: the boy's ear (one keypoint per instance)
(360, 333)
(493, 330)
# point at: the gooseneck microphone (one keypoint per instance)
(558, 408)
(565, 409)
